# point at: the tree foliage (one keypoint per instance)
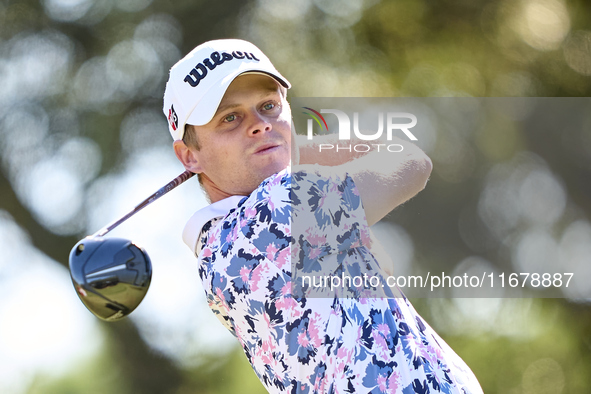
(82, 86)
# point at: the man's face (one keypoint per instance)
(249, 138)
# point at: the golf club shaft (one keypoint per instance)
(162, 191)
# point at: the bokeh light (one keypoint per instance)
(35, 66)
(543, 24)
(67, 10)
(577, 52)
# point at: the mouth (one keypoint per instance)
(267, 148)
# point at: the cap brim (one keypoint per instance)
(211, 100)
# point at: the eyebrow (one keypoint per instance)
(267, 92)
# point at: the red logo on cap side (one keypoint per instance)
(173, 119)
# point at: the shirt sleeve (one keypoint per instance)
(330, 237)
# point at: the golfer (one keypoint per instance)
(273, 202)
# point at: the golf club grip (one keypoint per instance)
(162, 191)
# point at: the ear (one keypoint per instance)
(188, 156)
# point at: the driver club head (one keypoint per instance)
(111, 275)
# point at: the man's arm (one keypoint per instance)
(384, 179)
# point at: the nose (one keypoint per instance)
(259, 124)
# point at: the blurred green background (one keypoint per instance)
(83, 139)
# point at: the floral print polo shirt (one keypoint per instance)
(318, 344)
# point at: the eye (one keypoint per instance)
(230, 118)
(268, 106)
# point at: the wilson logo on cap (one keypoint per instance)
(200, 71)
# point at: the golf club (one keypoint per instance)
(112, 275)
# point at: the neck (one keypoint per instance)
(214, 193)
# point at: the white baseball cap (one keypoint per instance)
(198, 81)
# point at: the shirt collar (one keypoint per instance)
(201, 217)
